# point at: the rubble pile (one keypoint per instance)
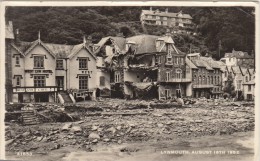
(131, 121)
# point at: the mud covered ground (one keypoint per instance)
(123, 130)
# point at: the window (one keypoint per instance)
(181, 61)
(246, 79)
(83, 82)
(17, 60)
(157, 17)
(225, 73)
(212, 80)
(178, 73)
(168, 76)
(39, 81)
(38, 61)
(208, 80)
(59, 64)
(215, 80)
(165, 23)
(117, 77)
(158, 22)
(249, 88)
(239, 84)
(83, 63)
(102, 81)
(157, 59)
(169, 58)
(199, 79)
(167, 93)
(18, 81)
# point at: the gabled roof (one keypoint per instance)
(9, 31)
(166, 14)
(251, 71)
(244, 70)
(34, 44)
(119, 41)
(236, 70)
(166, 39)
(190, 64)
(77, 48)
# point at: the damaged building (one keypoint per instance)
(145, 66)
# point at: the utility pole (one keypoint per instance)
(219, 47)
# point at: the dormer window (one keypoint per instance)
(169, 58)
(159, 43)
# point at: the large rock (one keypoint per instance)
(112, 129)
(66, 127)
(180, 101)
(93, 136)
(76, 129)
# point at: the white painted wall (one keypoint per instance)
(74, 70)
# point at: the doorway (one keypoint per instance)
(41, 97)
(60, 81)
(20, 98)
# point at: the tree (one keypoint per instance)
(229, 86)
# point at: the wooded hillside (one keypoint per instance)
(225, 28)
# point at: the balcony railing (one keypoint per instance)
(203, 86)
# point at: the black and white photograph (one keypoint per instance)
(121, 82)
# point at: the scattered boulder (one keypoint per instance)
(66, 127)
(76, 129)
(93, 136)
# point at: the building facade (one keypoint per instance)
(44, 72)
(207, 77)
(239, 58)
(165, 18)
(146, 66)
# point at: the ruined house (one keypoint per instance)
(146, 67)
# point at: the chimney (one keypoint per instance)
(89, 40)
(151, 8)
(17, 37)
(166, 10)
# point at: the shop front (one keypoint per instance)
(35, 94)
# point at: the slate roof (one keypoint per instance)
(239, 55)
(60, 51)
(145, 43)
(212, 63)
(57, 50)
(165, 14)
(9, 31)
(190, 64)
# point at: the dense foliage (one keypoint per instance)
(219, 29)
